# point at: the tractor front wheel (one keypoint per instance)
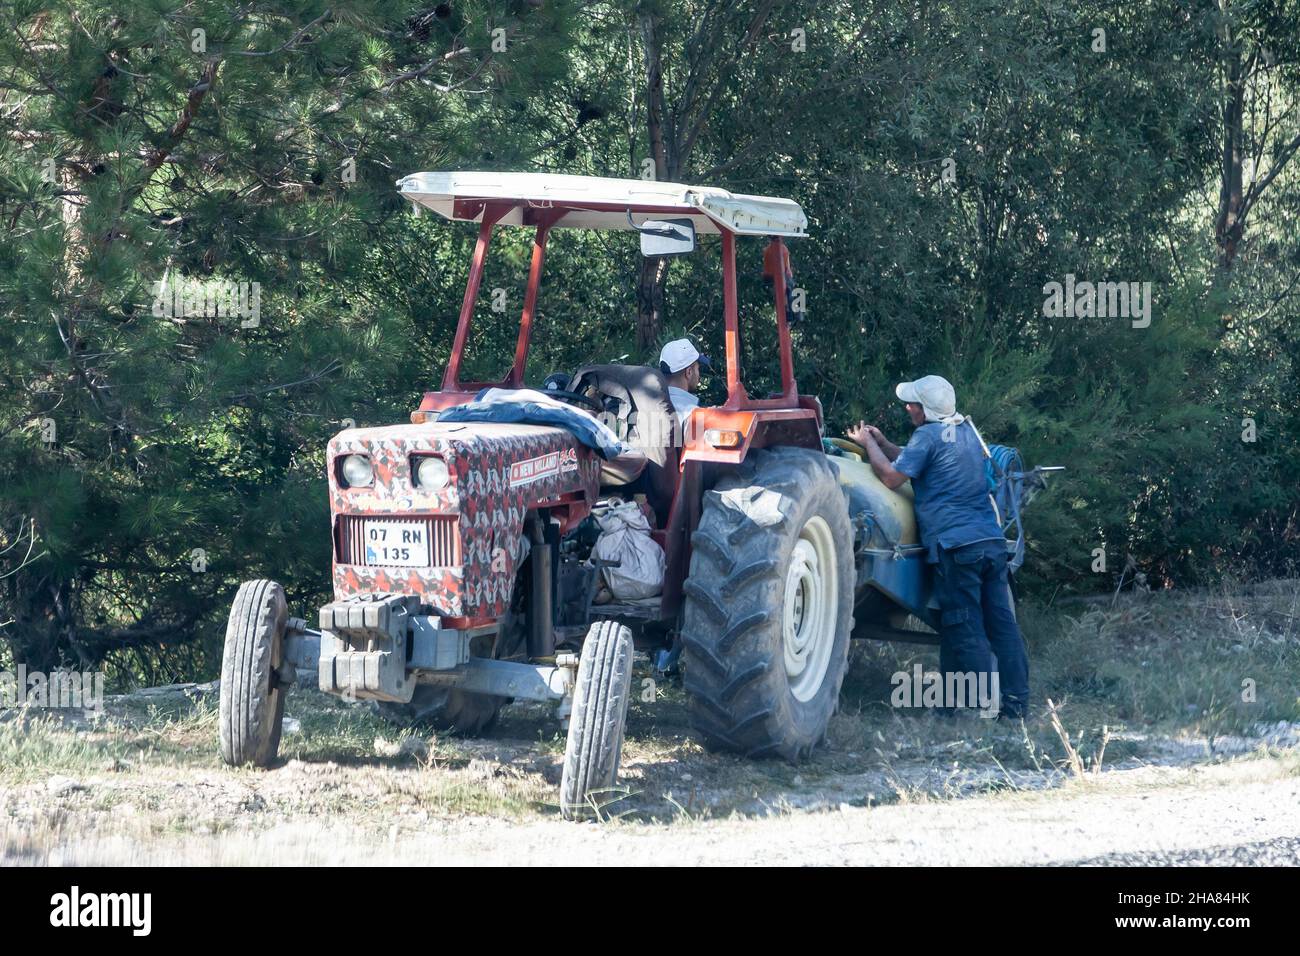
(600, 698)
(252, 701)
(769, 606)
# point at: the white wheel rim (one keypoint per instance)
(810, 606)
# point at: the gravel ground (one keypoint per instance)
(1240, 812)
(1280, 852)
(141, 783)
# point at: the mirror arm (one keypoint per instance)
(648, 231)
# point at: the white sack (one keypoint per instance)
(625, 537)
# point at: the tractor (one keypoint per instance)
(463, 569)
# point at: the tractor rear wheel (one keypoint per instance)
(251, 710)
(769, 606)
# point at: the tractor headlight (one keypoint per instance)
(357, 471)
(431, 474)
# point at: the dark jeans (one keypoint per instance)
(979, 621)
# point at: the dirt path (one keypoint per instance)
(142, 782)
(1244, 811)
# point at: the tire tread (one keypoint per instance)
(731, 635)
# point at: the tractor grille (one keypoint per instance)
(444, 542)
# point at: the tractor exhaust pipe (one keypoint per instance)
(541, 613)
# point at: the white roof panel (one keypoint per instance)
(599, 203)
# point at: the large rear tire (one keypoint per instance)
(251, 711)
(769, 606)
(596, 725)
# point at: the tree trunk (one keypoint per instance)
(1230, 222)
(654, 272)
(673, 132)
(650, 303)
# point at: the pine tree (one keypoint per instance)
(195, 201)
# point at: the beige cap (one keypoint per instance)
(933, 393)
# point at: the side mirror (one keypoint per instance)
(666, 237)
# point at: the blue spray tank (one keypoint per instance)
(893, 580)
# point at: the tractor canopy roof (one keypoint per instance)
(593, 202)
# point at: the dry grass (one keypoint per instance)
(1153, 680)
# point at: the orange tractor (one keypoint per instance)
(463, 571)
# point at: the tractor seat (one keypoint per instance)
(637, 408)
(623, 470)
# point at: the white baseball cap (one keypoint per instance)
(679, 354)
(933, 393)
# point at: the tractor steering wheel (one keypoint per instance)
(575, 398)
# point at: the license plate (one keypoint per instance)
(399, 544)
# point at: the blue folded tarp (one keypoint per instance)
(531, 407)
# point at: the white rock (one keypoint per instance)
(57, 786)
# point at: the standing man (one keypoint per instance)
(681, 364)
(960, 530)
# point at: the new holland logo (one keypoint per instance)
(543, 466)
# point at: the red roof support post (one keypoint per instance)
(491, 213)
(789, 389)
(736, 394)
(544, 222)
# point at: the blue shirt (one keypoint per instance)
(946, 465)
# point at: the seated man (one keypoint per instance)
(681, 364)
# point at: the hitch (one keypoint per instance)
(375, 648)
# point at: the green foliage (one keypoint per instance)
(953, 158)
